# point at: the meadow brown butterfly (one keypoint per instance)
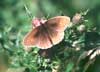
(46, 32)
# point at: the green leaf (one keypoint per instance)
(69, 67)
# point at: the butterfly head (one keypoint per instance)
(37, 22)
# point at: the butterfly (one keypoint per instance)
(46, 33)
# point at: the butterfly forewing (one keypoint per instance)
(37, 37)
(58, 23)
(30, 39)
(56, 27)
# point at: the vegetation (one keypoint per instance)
(78, 52)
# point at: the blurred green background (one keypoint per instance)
(15, 22)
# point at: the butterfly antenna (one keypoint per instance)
(28, 12)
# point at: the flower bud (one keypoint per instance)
(27, 49)
(75, 44)
(81, 28)
(76, 19)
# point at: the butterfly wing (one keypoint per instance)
(37, 37)
(45, 37)
(30, 38)
(56, 27)
(58, 23)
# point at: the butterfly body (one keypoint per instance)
(46, 32)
